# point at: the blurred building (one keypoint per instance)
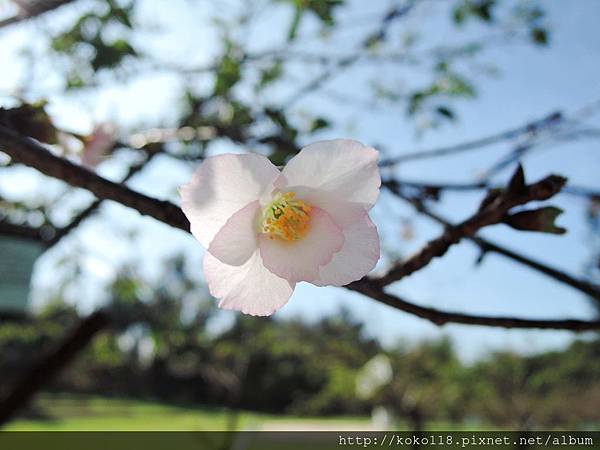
(17, 258)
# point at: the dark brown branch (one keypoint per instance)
(51, 365)
(583, 286)
(48, 235)
(491, 214)
(38, 157)
(24, 232)
(36, 9)
(489, 246)
(370, 289)
(93, 207)
(537, 125)
(29, 152)
(76, 221)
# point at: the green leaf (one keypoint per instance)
(110, 55)
(270, 74)
(445, 112)
(533, 14)
(539, 36)
(455, 85)
(319, 124)
(480, 9)
(447, 85)
(75, 81)
(416, 100)
(459, 14)
(298, 13)
(121, 15)
(373, 41)
(228, 74)
(83, 31)
(64, 42)
(287, 133)
(323, 9)
(483, 9)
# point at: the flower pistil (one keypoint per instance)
(286, 218)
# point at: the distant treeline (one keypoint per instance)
(158, 348)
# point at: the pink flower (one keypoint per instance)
(267, 230)
(98, 145)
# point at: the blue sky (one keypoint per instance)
(532, 83)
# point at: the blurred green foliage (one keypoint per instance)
(159, 349)
(98, 40)
(323, 9)
(104, 38)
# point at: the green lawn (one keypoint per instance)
(79, 413)
(67, 412)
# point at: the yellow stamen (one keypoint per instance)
(286, 218)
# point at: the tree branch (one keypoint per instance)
(31, 153)
(370, 289)
(36, 9)
(489, 246)
(93, 207)
(537, 125)
(25, 232)
(51, 365)
(490, 214)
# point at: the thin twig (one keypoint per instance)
(488, 246)
(29, 152)
(537, 125)
(371, 289)
(93, 207)
(491, 214)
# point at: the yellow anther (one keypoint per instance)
(286, 218)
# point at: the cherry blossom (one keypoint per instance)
(266, 230)
(98, 145)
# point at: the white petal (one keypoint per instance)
(237, 240)
(249, 288)
(358, 256)
(300, 260)
(342, 212)
(221, 186)
(345, 168)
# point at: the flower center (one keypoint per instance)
(286, 218)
